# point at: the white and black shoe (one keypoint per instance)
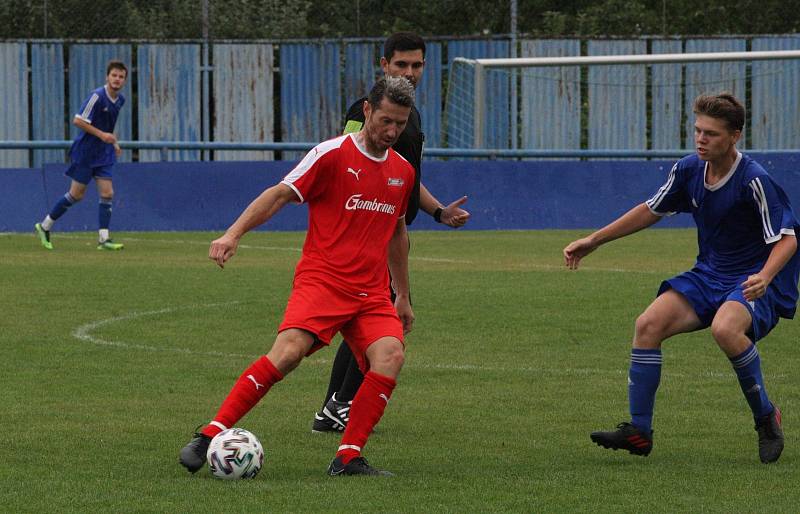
(333, 417)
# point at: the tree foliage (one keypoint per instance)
(277, 19)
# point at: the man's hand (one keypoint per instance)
(577, 250)
(223, 249)
(108, 137)
(117, 150)
(403, 306)
(453, 215)
(754, 287)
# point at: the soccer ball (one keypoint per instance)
(235, 453)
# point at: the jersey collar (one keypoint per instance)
(364, 150)
(727, 176)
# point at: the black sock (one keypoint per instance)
(341, 364)
(352, 381)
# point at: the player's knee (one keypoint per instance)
(649, 331)
(287, 352)
(725, 334)
(390, 360)
(75, 195)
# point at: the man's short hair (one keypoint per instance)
(723, 106)
(116, 65)
(402, 42)
(397, 90)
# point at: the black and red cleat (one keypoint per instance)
(770, 436)
(625, 437)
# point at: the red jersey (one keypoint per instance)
(354, 202)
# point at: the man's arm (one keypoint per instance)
(756, 285)
(398, 267)
(632, 221)
(452, 215)
(106, 137)
(258, 212)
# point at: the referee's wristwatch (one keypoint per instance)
(437, 215)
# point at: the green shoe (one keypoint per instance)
(108, 244)
(44, 236)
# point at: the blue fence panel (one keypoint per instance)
(551, 97)
(503, 194)
(429, 95)
(47, 99)
(169, 98)
(87, 72)
(311, 98)
(14, 92)
(775, 112)
(243, 99)
(361, 69)
(497, 108)
(618, 98)
(713, 77)
(666, 82)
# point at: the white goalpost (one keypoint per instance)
(470, 80)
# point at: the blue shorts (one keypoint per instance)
(706, 294)
(83, 173)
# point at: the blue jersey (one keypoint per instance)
(738, 220)
(101, 112)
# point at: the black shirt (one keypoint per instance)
(409, 145)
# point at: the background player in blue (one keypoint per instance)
(93, 154)
(745, 277)
(403, 56)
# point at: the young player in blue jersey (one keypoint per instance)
(745, 277)
(93, 154)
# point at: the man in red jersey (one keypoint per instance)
(357, 189)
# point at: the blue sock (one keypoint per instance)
(61, 206)
(643, 378)
(748, 369)
(104, 213)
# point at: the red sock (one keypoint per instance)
(252, 385)
(365, 412)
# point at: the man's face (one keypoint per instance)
(405, 63)
(712, 138)
(116, 78)
(385, 124)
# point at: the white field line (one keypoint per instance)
(548, 267)
(84, 333)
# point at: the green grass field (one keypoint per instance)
(110, 360)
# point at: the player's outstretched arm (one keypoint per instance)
(632, 221)
(756, 285)
(398, 267)
(452, 215)
(258, 212)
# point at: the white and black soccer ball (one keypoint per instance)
(235, 453)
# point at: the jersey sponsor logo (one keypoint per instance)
(355, 203)
(354, 172)
(397, 182)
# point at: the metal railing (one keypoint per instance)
(487, 153)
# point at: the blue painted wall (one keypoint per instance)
(502, 194)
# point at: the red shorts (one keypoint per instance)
(324, 310)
